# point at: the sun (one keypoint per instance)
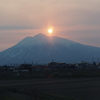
(50, 30)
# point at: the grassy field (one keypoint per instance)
(50, 89)
(24, 94)
(68, 85)
(76, 73)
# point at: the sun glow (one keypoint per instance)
(50, 30)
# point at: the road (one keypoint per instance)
(78, 88)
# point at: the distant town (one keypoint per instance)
(50, 69)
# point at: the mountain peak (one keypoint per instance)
(40, 35)
(41, 48)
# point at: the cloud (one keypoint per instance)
(16, 28)
(74, 18)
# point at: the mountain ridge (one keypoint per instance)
(43, 49)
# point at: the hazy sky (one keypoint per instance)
(77, 20)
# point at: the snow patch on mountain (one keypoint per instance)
(42, 39)
(44, 48)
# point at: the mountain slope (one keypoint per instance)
(43, 49)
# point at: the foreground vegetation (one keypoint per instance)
(71, 75)
(24, 94)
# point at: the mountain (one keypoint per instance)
(43, 49)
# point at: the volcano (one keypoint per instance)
(44, 49)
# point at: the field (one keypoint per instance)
(51, 88)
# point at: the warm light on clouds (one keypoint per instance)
(72, 19)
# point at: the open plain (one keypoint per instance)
(77, 88)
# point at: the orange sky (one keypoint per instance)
(77, 20)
